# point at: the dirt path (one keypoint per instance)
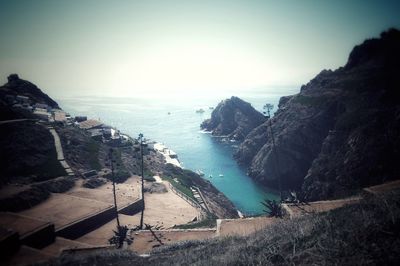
(296, 210)
(243, 227)
(383, 187)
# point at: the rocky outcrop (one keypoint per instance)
(233, 118)
(17, 86)
(340, 133)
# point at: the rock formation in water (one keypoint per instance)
(233, 118)
(340, 133)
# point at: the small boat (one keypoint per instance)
(211, 108)
(210, 176)
(221, 175)
(200, 173)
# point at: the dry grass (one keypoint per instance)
(366, 233)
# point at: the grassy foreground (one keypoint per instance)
(367, 233)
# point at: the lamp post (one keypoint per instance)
(268, 107)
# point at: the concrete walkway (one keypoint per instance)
(57, 143)
(59, 150)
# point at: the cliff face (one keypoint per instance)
(340, 133)
(233, 118)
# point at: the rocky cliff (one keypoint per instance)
(17, 86)
(233, 118)
(340, 132)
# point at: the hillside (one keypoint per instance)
(340, 132)
(27, 153)
(16, 86)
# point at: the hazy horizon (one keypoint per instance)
(128, 48)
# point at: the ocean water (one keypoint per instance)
(174, 122)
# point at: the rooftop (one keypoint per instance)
(91, 123)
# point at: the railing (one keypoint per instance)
(189, 200)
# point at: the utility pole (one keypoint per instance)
(113, 182)
(141, 156)
(269, 107)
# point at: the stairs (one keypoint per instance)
(198, 198)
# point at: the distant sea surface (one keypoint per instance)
(174, 122)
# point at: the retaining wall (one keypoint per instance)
(39, 238)
(87, 224)
(132, 208)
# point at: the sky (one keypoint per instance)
(127, 48)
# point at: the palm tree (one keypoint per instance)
(268, 107)
(120, 236)
(273, 208)
(141, 156)
(112, 161)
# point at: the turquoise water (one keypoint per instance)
(180, 131)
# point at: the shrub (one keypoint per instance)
(274, 209)
(94, 182)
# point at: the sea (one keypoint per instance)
(173, 121)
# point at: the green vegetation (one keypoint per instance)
(273, 208)
(148, 175)
(309, 100)
(121, 236)
(121, 174)
(27, 153)
(35, 194)
(94, 182)
(354, 119)
(181, 186)
(209, 222)
(58, 185)
(149, 178)
(93, 148)
(50, 168)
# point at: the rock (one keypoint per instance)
(17, 86)
(155, 188)
(340, 133)
(233, 118)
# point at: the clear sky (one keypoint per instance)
(129, 47)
